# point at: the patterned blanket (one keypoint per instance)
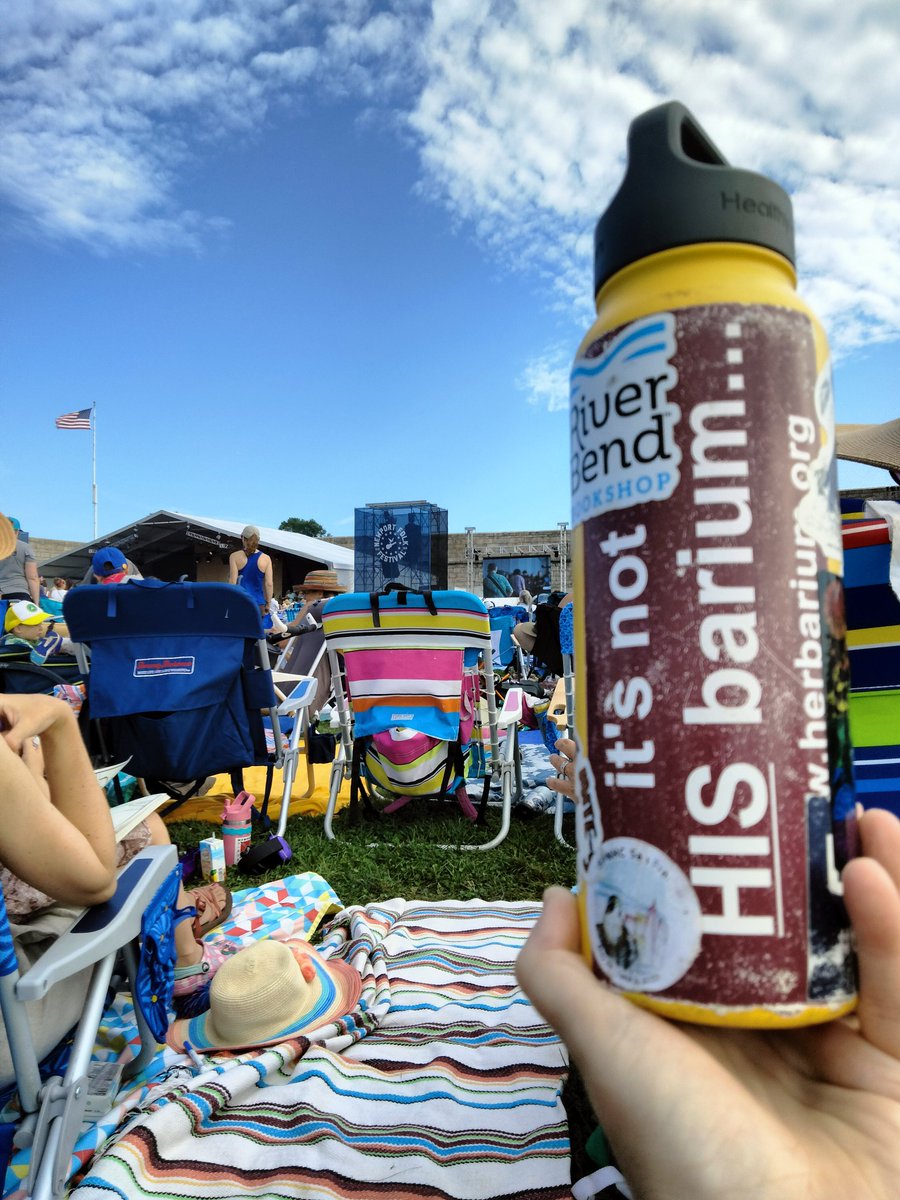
(443, 1083)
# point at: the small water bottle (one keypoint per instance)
(236, 827)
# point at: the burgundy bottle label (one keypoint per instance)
(716, 790)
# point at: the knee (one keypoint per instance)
(159, 835)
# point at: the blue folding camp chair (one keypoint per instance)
(404, 666)
(178, 679)
(508, 659)
(567, 649)
(137, 920)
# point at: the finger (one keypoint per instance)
(557, 928)
(836, 1053)
(873, 903)
(641, 1073)
(879, 832)
(556, 783)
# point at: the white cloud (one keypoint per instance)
(524, 112)
(519, 109)
(102, 101)
(545, 380)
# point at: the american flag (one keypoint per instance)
(75, 420)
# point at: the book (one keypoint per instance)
(105, 775)
(132, 812)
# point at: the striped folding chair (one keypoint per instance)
(407, 670)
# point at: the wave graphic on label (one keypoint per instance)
(622, 422)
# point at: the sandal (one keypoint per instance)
(197, 975)
(213, 902)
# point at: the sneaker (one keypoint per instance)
(192, 978)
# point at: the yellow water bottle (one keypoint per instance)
(714, 768)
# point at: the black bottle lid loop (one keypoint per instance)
(680, 190)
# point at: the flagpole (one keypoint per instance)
(94, 463)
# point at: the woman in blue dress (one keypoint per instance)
(252, 570)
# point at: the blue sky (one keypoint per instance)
(305, 256)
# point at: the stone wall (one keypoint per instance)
(521, 543)
(44, 549)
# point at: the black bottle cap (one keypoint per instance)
(680, 190)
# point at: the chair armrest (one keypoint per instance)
(511, 712)
(104, 927)
(301, 696)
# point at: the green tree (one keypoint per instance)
(304, 525)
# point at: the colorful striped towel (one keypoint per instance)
(405, 667)
(444, 1083)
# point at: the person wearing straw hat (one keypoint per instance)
(873, 445)
(318, 586)
(266, 993)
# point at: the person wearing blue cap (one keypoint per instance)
(110, 565)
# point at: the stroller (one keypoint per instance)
(407, 671)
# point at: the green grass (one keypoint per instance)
(410, 861)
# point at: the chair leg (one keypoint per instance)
(148, 1041)
(558, 820)
(334, 787)
(63, 1101)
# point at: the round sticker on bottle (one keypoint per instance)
(643, 915)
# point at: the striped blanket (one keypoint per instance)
(443, 1083)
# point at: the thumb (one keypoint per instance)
(554, 975)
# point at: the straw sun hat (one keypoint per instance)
(322, 581)
(875, 445)
(7, 537)
(266, 993)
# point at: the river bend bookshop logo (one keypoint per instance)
(622, 422)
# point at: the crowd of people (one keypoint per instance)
(690, 1112)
